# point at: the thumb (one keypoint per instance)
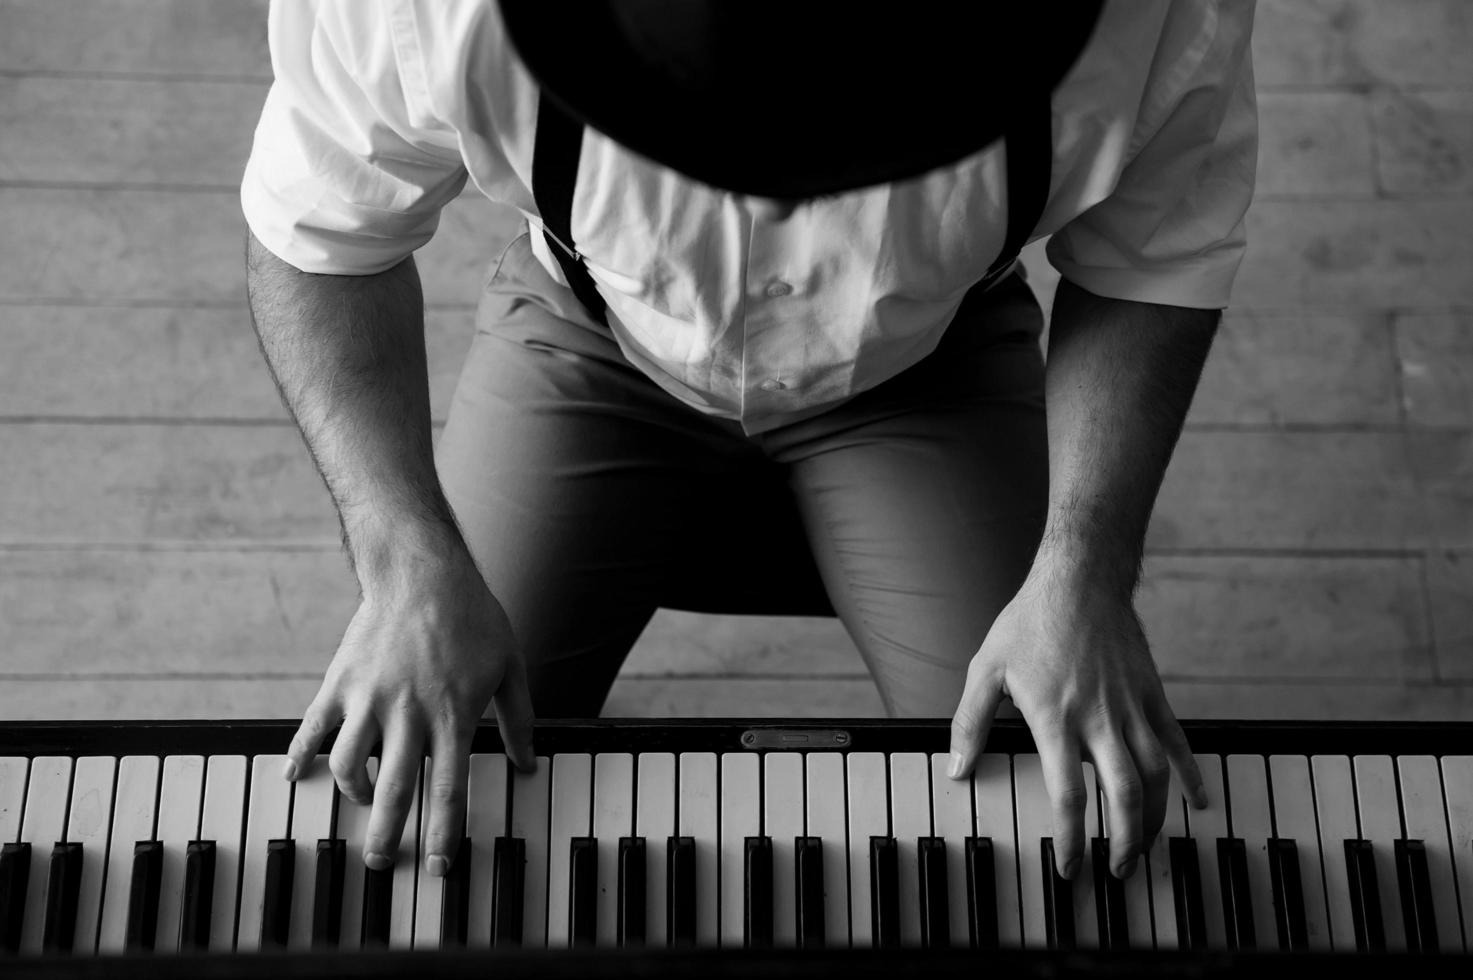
(514, 716)
(973, 720)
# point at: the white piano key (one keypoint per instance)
(1086, 916)
(530, 802)
(406, 872)
(43, 825)
(572, 816)
(1422, 810)
(1035, 821)
(429, 891)
(1380, 822)
(1457, 789)
(951, 815)
(1294, 819)
(221, 821)
(88, 823)
(869, 816)
(654, 809)
(352, 827)
(910, 818)
(782, 820)
(1137, 890)
(266, 820)
(992, 789)
(1252, 820)
(1163, 891)
(485, 820)
(1206, 827)
(741, 817)
(133, 821)
(1334, 802)
(312, 804)
(697, 813)
(13, 775)
(613, 817)
(825, 820)
(180, 795)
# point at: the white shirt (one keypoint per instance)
(381, 109)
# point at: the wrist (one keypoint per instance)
(1081, 565)
(394, 554)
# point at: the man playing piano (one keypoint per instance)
(764, 348)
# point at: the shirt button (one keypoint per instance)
(777, 289)
(772, 384)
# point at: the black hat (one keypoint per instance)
(795, 98)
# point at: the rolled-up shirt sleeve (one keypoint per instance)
(349, 169)
(1172, 230)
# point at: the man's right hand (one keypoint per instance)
(426, 651)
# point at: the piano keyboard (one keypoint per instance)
(722, 834)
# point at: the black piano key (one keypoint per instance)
(757, 918)
(198, 901)
(631, 923)
(15, 873)
(1237, 901)
(63, 889)
(1058, 901)
(884, 891)
(1365, 896)
(1109, 899)
(327, 892)
(455, 898)
(935, 911)
(981, 893)
(276, 909)
(378, 905)
(1416, 896)
(143, 895)
(680, 891)
(809, 882)
(583, 891)
(1283, 871)
(508, 870)
(1186, 890)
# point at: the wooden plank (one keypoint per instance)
(169, 363)
(1435, 355)
(1450, 600)
(1327, 369)
(1362, 43)
(1278, 700)
(112, 131)
(156, 698)
(1407, 253)
(1314, 144)
(150, 37)
(166, 246)
(1424, 140)
(1321, 491)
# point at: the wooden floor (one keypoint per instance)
(167, 551)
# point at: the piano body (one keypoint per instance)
(695, 847)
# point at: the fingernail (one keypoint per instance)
(436, 865)
(1127, 869)
(289, 771)
(377, 860)
(1199, 798)
(957, 760)
(1072, 868)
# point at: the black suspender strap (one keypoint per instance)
(554, 172)
(1029, 140)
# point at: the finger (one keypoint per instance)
(1174, 741)
(349, 759)
(972, 721)
(445, 796)
(514, 716)
(393, 794)
(1154, 768)
(1124, 796)
(1063, 777)
(321, 717)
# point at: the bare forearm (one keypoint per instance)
(348, 356)
(1121, 376)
